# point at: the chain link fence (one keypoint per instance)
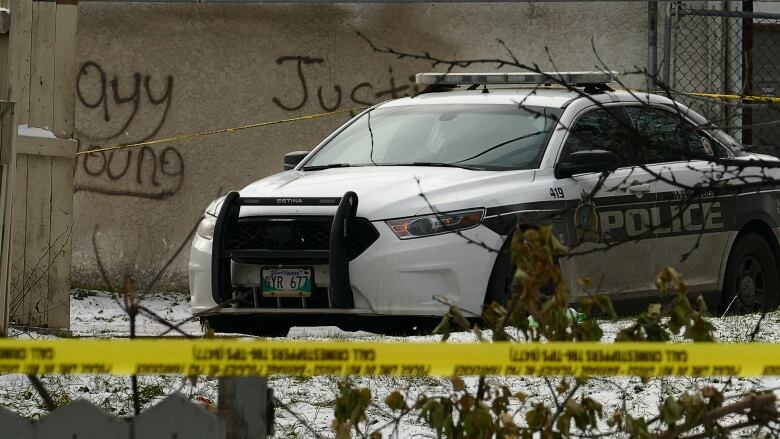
(733, 53)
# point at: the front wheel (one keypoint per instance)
(751, 283)
(499, 287)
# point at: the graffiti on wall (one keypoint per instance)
(133, 107)
(140, 172)
(119, 108)
(126, 111)
(360, 94)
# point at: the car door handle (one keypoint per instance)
(639, 188)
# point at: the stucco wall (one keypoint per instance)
(155, 70)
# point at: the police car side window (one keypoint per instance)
(662, 136)
(604, 128)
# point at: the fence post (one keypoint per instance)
(7, 168)
(747, 72)
(245, 405)
(652, 44)
(667, 63)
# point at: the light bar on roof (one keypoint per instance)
(572, 78)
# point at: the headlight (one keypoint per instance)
(209, 221)
(206, 226)
(436, 224)
(213, 207)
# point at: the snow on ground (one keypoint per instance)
(308, 401)
(100, 314)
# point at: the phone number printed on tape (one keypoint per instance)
(253, 357)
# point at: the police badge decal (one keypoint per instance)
(586, 219)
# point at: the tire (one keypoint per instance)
(261, 326)
(499, 287)
(751, 282)
(501, 284)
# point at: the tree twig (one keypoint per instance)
(42, 392)
(751, 403)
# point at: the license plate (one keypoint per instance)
(287, 282)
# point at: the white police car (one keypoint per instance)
(395, 212)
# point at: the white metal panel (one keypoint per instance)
(177, 417)
(14, 426)
(82, 420)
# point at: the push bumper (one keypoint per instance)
(392, 277)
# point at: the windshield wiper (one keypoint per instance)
(328, 166)
(438, 164)
(525, 136)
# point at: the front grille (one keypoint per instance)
(280, 234)
(297, 233)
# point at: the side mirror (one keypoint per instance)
(291, 159)
(581, 162)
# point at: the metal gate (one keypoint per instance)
(730, 53)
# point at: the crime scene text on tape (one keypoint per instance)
(219, 357)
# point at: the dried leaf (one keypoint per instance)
(458, 384)
(395, 401)
(443, 328)
(467, 402)
(520, 396)
(584, 281)
(458, 318)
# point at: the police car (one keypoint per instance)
(400, 211)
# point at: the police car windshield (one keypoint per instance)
(482, 137)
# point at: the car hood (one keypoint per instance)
(386, 191)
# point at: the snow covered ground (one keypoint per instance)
(308, 401)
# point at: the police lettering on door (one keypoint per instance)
(640, 221)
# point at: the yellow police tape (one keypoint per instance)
(732, 97)
(191, 136)
(232, 357)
